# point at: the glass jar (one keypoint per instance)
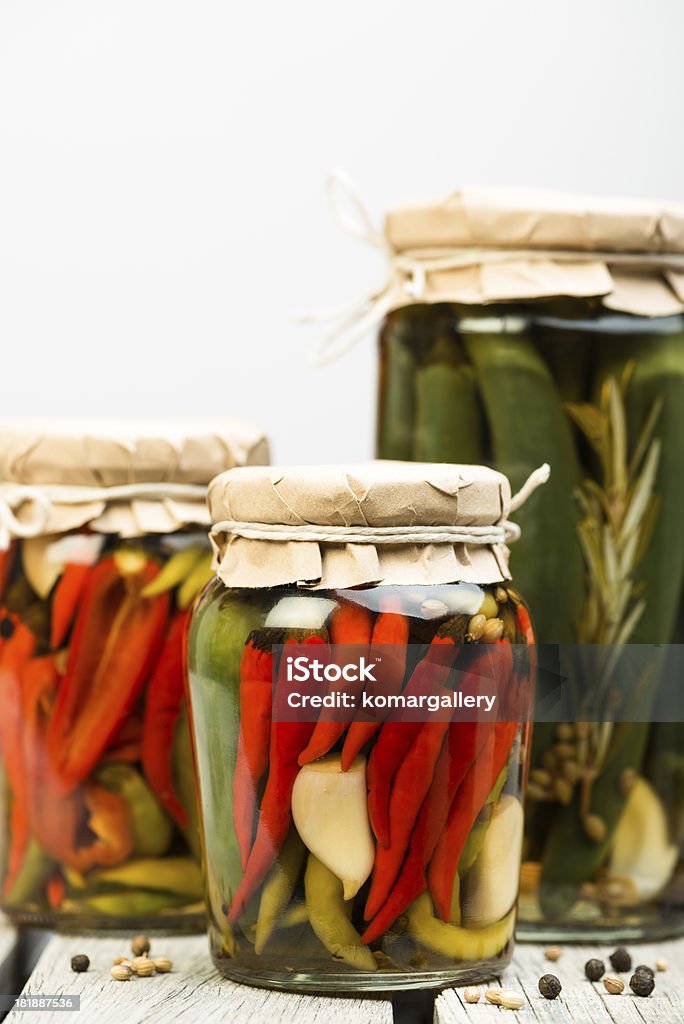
(357, 853)
(600, 396)
(100, 818)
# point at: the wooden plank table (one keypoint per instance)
(194, 991)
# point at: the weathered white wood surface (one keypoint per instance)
(580, 1002)
(195, 992)
(192, 992)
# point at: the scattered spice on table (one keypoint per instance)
(642, 983)
(549, 986)
(621, 960)
(594, 969)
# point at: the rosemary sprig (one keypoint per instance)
(618, 514)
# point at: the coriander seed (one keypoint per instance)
(162, 964)
(549, 986)
(140, 944)
(615, 986)
(145, 969)
(121, 973)
(553, 953)
(661, 964)
(471, 995)
(80, 963)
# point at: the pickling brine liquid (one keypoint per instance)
(600, 397)
(370, 853)
(100, 817)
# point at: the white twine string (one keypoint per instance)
(407, 271)
(41, 501)
(505, 532)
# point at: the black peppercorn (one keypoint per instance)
(644, 969)
(642, 983)
(550, 986)
(80, 963)
(594, 969)
(621, 960)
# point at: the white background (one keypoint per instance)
(162, 168)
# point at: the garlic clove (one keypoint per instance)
(641, 849)
(41, 573)
(490, 888)
(330, 813)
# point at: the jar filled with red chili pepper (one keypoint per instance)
(360, 676)
(103, 550)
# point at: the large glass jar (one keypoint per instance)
(599, 396)
(104, 551)
(359, 852)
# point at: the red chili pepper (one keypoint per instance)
(409, 789)
(392, 629)
(464, 743)
(525, 624)
(163, 703)
(413, 780)
(114, 644)
(6, 560)
(465, 808)
(18, 840)
(256, 696)
(55, 890)
(126, 744)
(61, 821)
(395, 737)
(65, 601)
(350, 624)
(17, 647)
(54, 819)
(288, 739)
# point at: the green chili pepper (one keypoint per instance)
(449, 417)
(180, 875)
(152, 828)
(34, 871)
(220, 628)
(176, 570)
(478, 832)
(454, 942)
(395, 426)
(528, 426)
(278, 888)
(184, 780)
(127, 904)
(329, 916)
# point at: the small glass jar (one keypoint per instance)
(346, 854)
(107, 551)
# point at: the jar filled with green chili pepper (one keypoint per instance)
(103, 549)
(526, 327)
(360, 685)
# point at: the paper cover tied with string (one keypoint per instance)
(392, 523)
(117, 477)
(480, 246)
